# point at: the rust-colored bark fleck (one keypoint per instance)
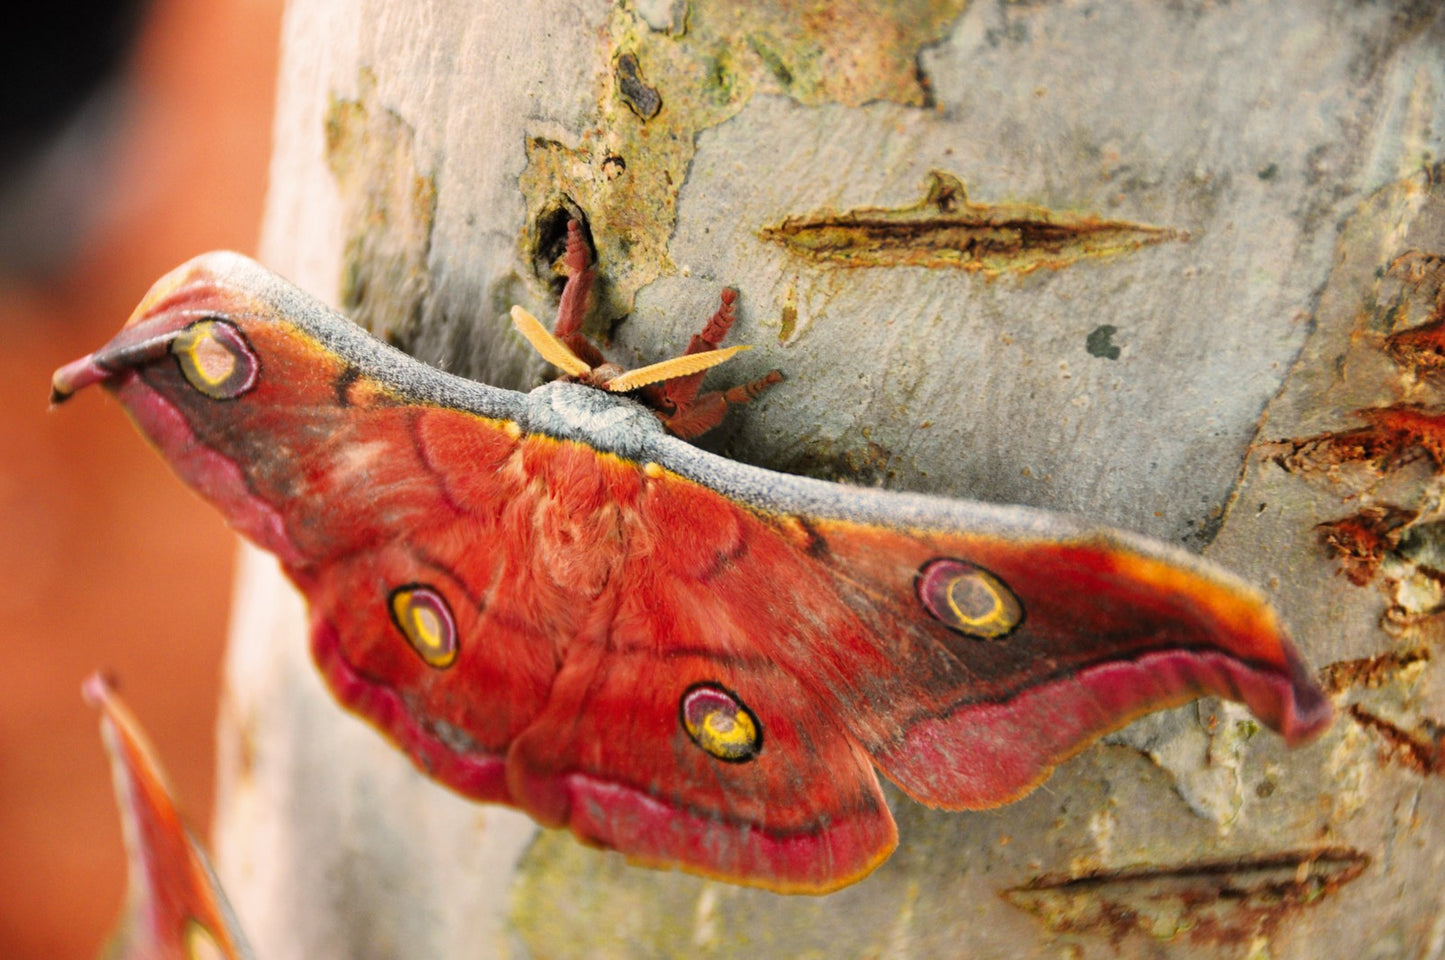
(1421, 349)
(1393, 436)
(945, 229)
(1393, 537)
(1362, 540)
(1223, 902)
(1371, 672)
(1421, 750)
(788, 318)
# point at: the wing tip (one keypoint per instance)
(960, 761)
(1307, 712)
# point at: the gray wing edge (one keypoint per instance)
(410, 377)
(767, 492)
(762, 490)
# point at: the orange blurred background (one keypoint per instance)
(106, 558)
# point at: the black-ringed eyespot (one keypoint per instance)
(719, 723)
(425, 619)
(216, 359)
(968, 599)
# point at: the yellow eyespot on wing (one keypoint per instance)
(425, 619)
(719, 723)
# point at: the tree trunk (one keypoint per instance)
(1201, 204)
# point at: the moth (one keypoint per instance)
(549, 600)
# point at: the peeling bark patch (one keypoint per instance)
(1393, 464)
(1362, 540)
(1372, 672)
(787, 322)
(705, 61)
(944, 229)
(643, 100)
(1415, 267)
(1420, 350)
(1421, 750)
(1212, 903)
(1408, 557)
(1399, 433)
(389, 209)
(848, 51)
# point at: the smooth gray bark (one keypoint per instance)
(422, 154)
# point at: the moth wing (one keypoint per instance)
(375, 480)
(175, 908)
(1017, 647)
(970, 648)
(674, 736)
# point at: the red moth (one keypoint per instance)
(548, 601)
(174, 907)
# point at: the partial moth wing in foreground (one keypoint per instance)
(548, 601)
(174, 906)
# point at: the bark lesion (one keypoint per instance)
(946, 229)
(1218, 902)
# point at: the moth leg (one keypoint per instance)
(708, 410)
(680, 394)
(572, 307)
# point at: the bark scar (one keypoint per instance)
(1421, 750)
(945, 229)
(1211, 902)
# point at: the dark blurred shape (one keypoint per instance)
(60, 104)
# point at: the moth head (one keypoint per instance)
(609, 376)
(196, 316)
